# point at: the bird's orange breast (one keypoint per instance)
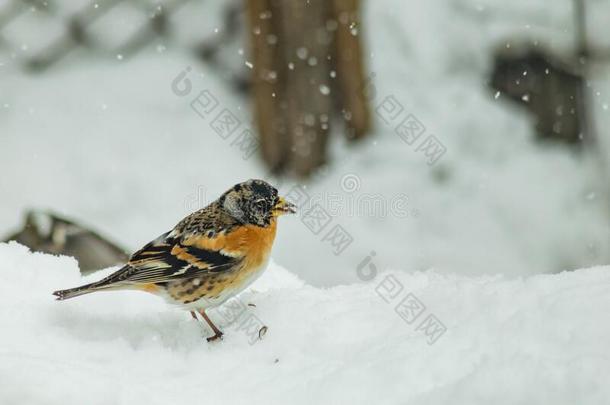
(250, 242)
(259, 242)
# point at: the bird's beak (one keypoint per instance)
(284, 207)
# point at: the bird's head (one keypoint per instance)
(255, 202)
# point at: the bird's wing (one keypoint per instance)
(169, 258)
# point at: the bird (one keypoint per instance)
(209, 257)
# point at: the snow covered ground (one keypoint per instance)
(540, 339)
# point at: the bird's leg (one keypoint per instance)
(217, 333)
(194, 315)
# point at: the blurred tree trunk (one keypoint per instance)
(307, 69)
(349, 62)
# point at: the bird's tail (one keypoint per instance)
(112, 282)
(86, 289)
(77, 291)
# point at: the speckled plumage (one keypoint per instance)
(209, 256)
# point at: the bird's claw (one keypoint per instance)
(215, 337)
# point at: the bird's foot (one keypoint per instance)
(217, 335)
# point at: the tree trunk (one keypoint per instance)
(307, 69)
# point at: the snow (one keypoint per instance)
(540, 339)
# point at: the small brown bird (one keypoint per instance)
(209, 257)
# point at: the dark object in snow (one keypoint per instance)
(551, 91)
(50, 233)
(262, 332)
